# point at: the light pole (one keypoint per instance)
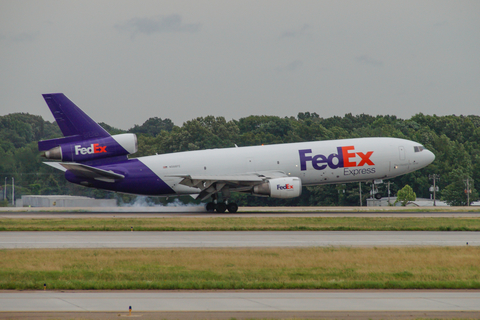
(360, 187)
(388, 188)
(468, 190)
(13, 191)
(434, 177)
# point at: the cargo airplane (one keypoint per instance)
(91, 157)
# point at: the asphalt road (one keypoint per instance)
(200, 301)
(222, 239)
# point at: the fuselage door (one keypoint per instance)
(401, 152)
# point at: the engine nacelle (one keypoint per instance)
(280, 188)
(78, 151)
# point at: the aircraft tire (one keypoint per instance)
(221, 207)
(232, 207)
(210, 207)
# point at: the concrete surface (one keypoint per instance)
(322, 300)
(217, 239)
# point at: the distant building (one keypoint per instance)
(64, 201)
(420, 202)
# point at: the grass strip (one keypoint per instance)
(245, 224)
(275, 268)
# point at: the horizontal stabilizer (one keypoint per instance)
(84, 171)
(56, 165)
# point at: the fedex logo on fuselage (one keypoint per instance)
(342, 159)
(94, 148)
(285, 187)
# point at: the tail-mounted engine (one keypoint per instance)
(279, 188)
(91, 149)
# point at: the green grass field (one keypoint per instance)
(278, 268)
(244, 224)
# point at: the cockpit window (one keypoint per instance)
(418, 148)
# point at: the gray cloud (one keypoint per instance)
(292, 66)
(24, 37)
(157, 24)
(441, 24)
(369, 60)
(295, 33)
(281, 65)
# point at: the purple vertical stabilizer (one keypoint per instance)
(71, 120)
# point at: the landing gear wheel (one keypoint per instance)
(210, 207)
(221, 207)
(232, 207)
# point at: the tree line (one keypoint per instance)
(455, 141)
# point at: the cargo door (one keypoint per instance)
(401, 152)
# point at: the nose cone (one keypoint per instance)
(427, 157)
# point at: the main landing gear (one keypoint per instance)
(221, 207)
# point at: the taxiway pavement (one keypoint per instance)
(322, 300)
(223, 239)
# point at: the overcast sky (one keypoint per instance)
(123, 62)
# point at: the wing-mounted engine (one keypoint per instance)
(91, 149)
(279, 188)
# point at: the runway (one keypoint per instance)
(222, 239)
(244, 212)
(273, 214)
(201, 301)
(332, 304)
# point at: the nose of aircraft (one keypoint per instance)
(428, 157)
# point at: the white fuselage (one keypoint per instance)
(318, 162)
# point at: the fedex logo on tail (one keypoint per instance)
(284, 187)
(344, 158)
(94, 148)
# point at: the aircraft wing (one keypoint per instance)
(211, 184)
(82, 170)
